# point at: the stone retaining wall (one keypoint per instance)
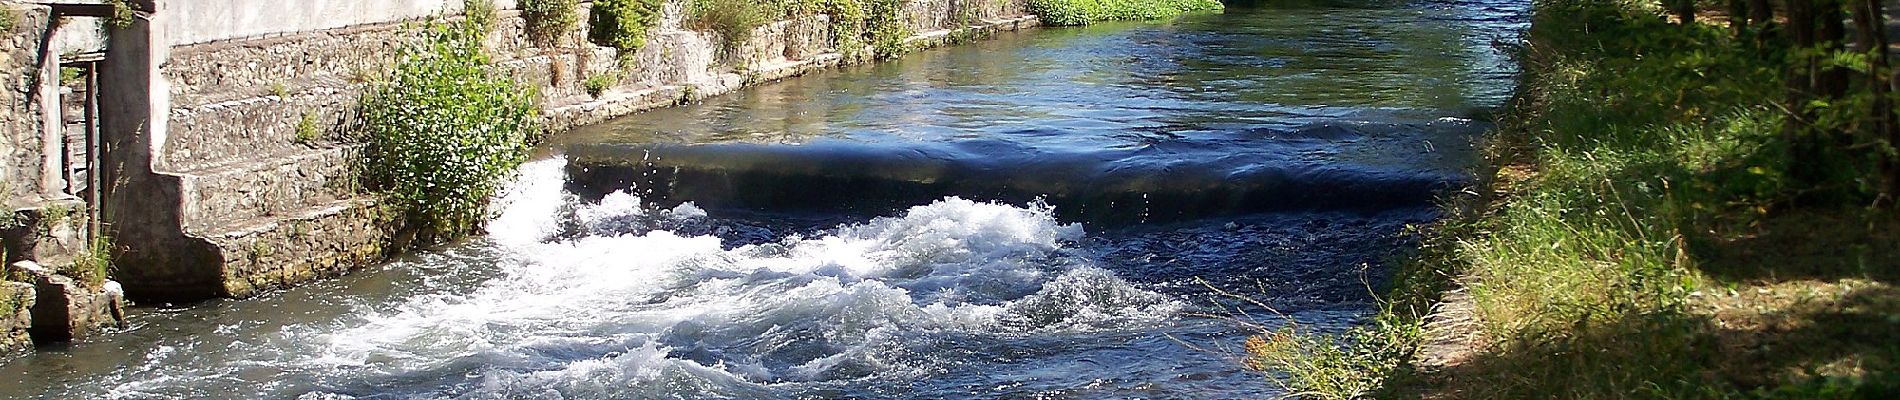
(40, 224)
(248, 199)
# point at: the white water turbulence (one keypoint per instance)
(603, 301)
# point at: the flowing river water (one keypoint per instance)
(1041, 215)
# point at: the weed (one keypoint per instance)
(94, 264)
(598, 84)
(307, 132)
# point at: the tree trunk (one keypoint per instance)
(1685, 11)
(1761, 15)
(1884, 123)
(1832, 82)
(1804, 154)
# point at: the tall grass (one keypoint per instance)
(1628, 135)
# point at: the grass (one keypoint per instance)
(1084, 12)
(93, 265)
(1640, 240)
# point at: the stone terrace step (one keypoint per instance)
(223, 71)
(242, 130)
(265, 187)
(319, 240)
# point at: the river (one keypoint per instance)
(1039, 215)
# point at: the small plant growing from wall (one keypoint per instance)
(121, 14)
(623, 24)
(443, 131)
(307, 132)
(94, 264)
(597, 85)
(548, 21)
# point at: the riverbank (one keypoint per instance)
(1640, 236)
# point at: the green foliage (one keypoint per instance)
(307, 132)
(1631, 140)
(52, 216)
(875, 23)
(548, 20)
(121, 14)
(444, 130)
(623, 24)
(480, 13)
(1084, 12)
(1351, 366)
(93, 265)
(6, 19)
(598, 84)
(734, 20)
(68, 75)
(261, 249)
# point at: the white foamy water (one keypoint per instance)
(598, 301)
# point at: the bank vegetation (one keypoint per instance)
(1686, 200)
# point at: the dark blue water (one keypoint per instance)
(1037, 216)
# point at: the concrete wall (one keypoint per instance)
(27, 73)
(214, 20)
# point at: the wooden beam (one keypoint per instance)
(81, 10)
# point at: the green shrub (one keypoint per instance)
(734, 20)
(480, 13)
(877, 23)
(1084, 12)
(548, 20)
(623, 24)
(598, 84)
(444, 130)
(885, 24)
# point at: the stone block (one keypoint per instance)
(16, 316)
(67, 309)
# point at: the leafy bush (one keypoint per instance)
(479, 12)
(1084, 12)
(444, 130)
(598, 84)
(732, 19)
(877, 23)
(623, 24)
(548, 20)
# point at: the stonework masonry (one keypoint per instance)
(42, 224)
(216, 193)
